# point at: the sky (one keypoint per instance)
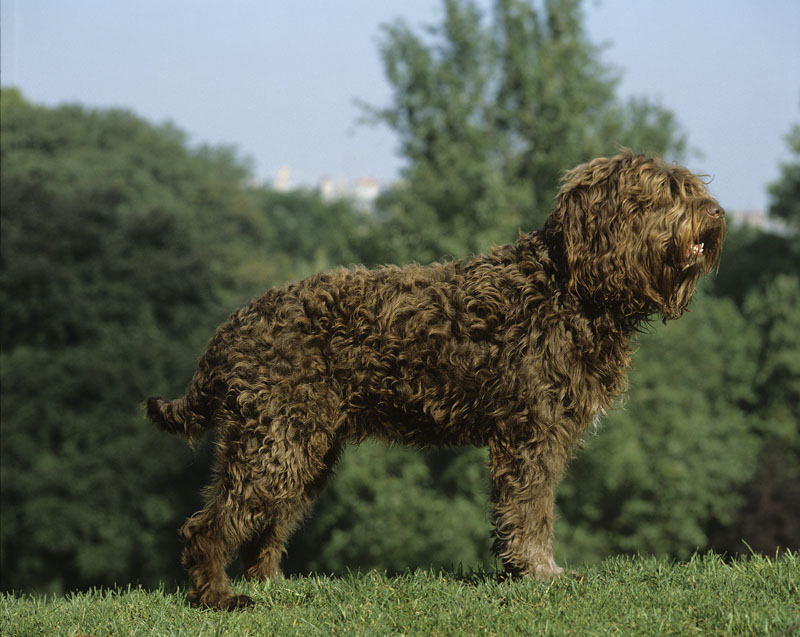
(279, 80)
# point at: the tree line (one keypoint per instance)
(123, 247)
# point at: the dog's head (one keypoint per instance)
(634, 234)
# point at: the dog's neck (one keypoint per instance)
(605, 315)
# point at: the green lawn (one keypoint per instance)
(641, 596)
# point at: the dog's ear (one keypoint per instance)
(595, 226)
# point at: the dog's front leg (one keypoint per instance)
(524, 478)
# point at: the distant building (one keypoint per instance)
(756, 219)
(331, 189)
(283, 182)
(362, 191)
(365, 191)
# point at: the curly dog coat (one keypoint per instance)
(520, 350)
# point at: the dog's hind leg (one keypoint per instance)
(211, 536)
(273, 458)
(298, 443)
(261, 556)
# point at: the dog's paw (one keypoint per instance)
(575, 576)
(238, 602)
(547, 570)
(231, 602)
(542, 570)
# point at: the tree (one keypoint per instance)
(109, 291)
(761, 275)
(770, 515)
(394, 510)
(301, 234)
(785, 192)
(490, 115)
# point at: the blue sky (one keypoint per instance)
(278, 79)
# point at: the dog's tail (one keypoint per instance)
(187, 416)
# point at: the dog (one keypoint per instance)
(520, 350)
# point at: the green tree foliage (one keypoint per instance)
(761, 273)
(763, 276)
(393, 509)
(108, 294)
(301, 234)
(489, 114)
(770, 516)
(785, 192)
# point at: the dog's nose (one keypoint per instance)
(715, 211)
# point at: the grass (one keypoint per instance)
(623, 596)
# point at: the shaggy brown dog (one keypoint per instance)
(521, 350)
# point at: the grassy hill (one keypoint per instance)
(626, 596)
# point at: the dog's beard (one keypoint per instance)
(696, 246)
(701, 239)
